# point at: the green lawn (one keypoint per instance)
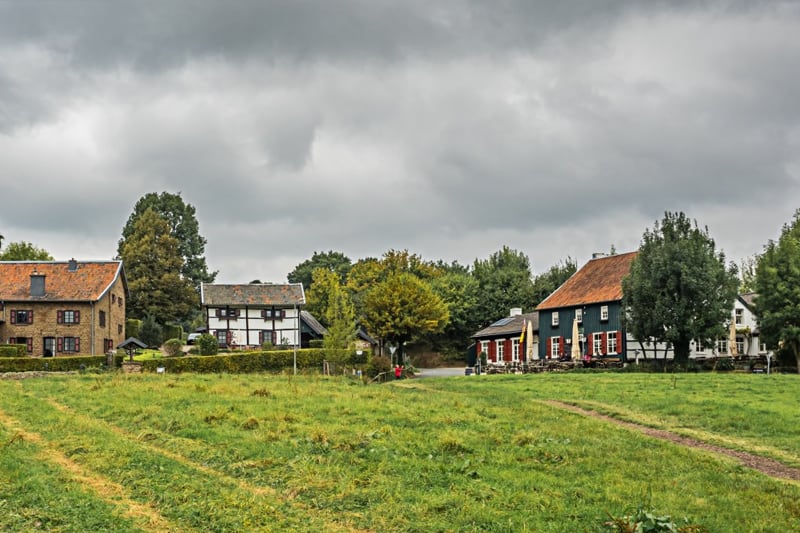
(307, 453)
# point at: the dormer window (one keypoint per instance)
(579, 315)
(554, 321)
(604, 312)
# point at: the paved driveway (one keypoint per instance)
(439, 372)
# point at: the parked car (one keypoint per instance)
(192, 338)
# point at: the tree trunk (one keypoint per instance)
(682, 348)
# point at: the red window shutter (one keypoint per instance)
(60, 344)
(13, 316)
(217, 312)
(59, 317)
(30, 317)
(77, 317)
(12, 340)
(619, 342)
(228, 337)
(274, 336)
(589, 344)
(548, 348)
(30, 344)
(77, 344)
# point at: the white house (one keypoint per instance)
(252, 314)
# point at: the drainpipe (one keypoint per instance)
(92, 333)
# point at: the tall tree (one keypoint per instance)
(24, 251)
(183, 226)
(679, 288)
(460, 292)
(335, 262)
(505, 282)
(546, 283)
(318, 298)
(152, 260)
(341, 320)
(778, 286)
(402, 308)
(747, 273)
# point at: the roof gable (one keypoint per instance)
(255, 294)
(89, 281)
(510, 325)
(600, 280)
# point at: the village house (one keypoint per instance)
(60, 308)
(503, 341)
(592, 297)
(249, 315)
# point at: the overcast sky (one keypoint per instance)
(447, 128)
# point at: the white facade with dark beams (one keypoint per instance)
(247, 316)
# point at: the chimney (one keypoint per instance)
(37, 284)
(598, 255)
(516, 311)
(73, 265)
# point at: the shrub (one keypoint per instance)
(13, 350)
(241, 362)
(207, 344)
(173, 347)
(132, 327)
(315, 343)
(56, 364)
(150, 332)
(267, 346)
(173, 331)
(377, 365)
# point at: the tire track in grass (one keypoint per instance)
(259, 491)
(111, 492)
(765, 465)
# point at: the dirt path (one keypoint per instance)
(764, 465)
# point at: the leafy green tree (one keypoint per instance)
(747, 273)
(152, 260)
(24, 251)
(547, 282)
(183, 226)
(505, 282)
(151, 332)
(460, 292)
(402, 308)
(335, 262)
(318, 297)
(341, 320)
(679, 288)
(778, 286)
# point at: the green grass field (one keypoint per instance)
(307, 453)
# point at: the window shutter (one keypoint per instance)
(30, 317)
(590, 344)
(548, 347)
(619, 342)
(281, 313)
(77, 317)
(561, 351)
(59, 317)
(30, 344)
(13, 316)
(274, 336)
(228, 337)
(77, 344)
(264, 315)
(217, 312)
(60, 344)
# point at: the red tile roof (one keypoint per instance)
(600, 280)
(88, 282)
(253, 294)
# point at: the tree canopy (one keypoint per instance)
(183, 226)
(335, 262)
(505, 282)
(778, 286)
(547, 282)
(152, 260)
(679, 288)
(24, 251)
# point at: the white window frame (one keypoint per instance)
(597, 343)
(722, 346)
(698, 346)
(738, 316)
(555, 347)
(484, 347)
(554, 319)
(611, 342)
(762, 347)
(603, 312)
(740, 345)
(579, 315)
(500, 345)
(515, 350)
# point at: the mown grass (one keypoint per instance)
(278, 453)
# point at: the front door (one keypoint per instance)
(49, 346)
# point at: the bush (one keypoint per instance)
(267, 346)
(151, 333)
(207, 344)
(315, 343)
(240, 362)
(173, 347)
(132, 327)
(377, 365)
(56, 364)
(173, 331)
(13, 350)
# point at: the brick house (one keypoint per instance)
(63, 307)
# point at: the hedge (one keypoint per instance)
(240, 362)
(55, 364)
(13, 350)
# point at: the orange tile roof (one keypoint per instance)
(89, 281)
(600, 280)
(253, 294)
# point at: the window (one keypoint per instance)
(119, 329)
(27, 341)
(272, 313)
(722, 346)
(740, 345)
(485, 347)
(21, 317)
(515, 350)
(611, 342)
(224, 312)
(739, 316)
(763, 347)
(266, 336)
(108, 345)
(555, 347)
(69, 344)
(698, 346)
(102, 319)
(604, 312)
(554, 321)
(579, 315)
(597, 343)
(68, 317)
(113, 298)
(49, 345)
(222, 337)
(501, 344)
